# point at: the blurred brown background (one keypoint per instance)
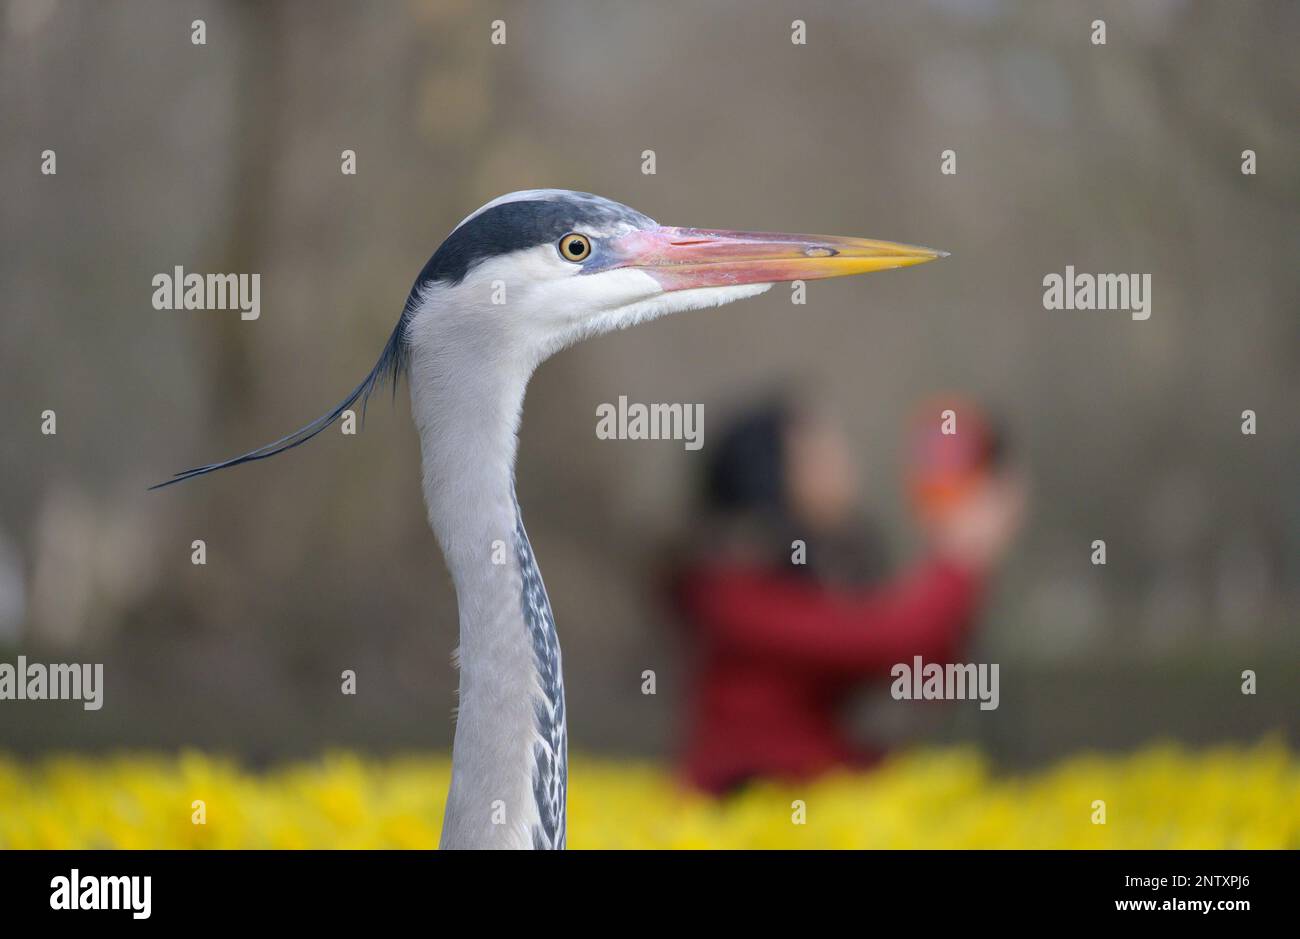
(225, 157)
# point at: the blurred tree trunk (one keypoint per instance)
(263, 35)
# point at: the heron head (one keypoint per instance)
(532, 272)
(545, 268)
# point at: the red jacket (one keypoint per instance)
(777, 654)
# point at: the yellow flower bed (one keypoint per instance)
(1161, 797)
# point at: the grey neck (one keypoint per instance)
(509, 758)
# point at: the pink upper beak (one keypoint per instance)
(683, 258)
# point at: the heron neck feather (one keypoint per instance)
(467, 417)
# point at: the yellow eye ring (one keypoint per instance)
(575, 247)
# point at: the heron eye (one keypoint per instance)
(575, 247)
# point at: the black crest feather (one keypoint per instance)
(388, 370)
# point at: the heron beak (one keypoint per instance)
(685, 258)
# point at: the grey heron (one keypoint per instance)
(518, 280)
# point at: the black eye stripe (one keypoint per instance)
(512, 226)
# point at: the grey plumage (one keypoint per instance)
(551, 773)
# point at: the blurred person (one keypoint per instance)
(788, 599)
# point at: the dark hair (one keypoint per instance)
(746, 491)
(745, 472)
